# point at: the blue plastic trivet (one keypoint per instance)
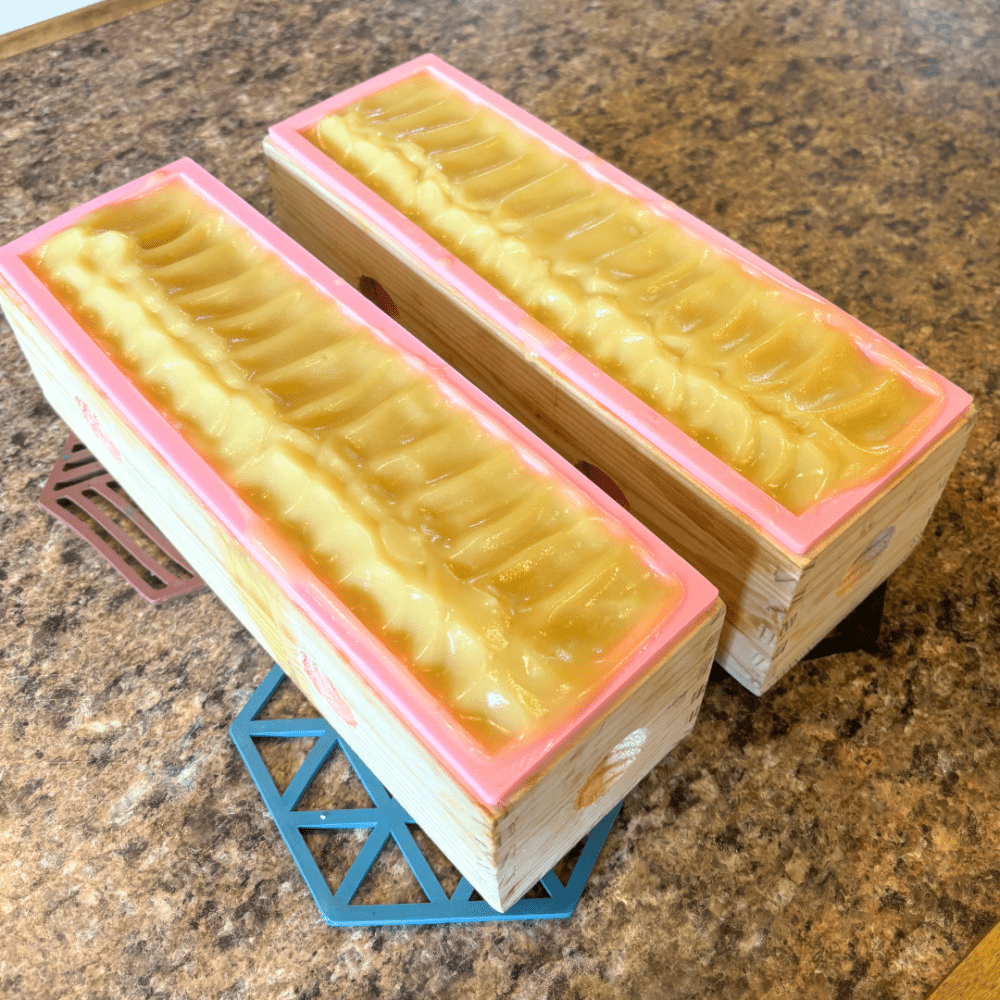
(387, 818)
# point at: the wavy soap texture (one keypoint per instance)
(748, 368)
(507, 595)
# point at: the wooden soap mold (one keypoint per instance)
(786, 580)
(503, 821)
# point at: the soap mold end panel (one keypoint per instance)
(503, 847)
(780, 600)
(797, 600)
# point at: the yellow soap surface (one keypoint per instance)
(507, 595)
(749, 369)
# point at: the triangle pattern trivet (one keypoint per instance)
(384, 819)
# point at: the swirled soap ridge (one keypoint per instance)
(754, 371)
(507, 597)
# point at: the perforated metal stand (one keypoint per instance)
(385, 819)
(85, 497)
(858, 631)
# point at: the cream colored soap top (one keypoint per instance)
(748, 368)
(507, 595)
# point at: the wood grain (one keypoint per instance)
(977, 976)
(73, 22)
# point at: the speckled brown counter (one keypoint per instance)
(837, 838)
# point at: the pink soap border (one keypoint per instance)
(491, 777)
(799, 533)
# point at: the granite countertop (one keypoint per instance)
(834, 840)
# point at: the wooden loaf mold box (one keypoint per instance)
(507, 649)
(787, 451)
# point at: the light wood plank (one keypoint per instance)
(55, 29)
(977, 976)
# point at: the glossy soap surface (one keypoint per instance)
(752, 370)
(508, 595)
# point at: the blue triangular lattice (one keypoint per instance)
(385, 818)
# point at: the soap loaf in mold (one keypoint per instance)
(507, 596)
(182, 285)
(749, 369)
(786, 450)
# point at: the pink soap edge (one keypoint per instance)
(797, 533)
(491, 777)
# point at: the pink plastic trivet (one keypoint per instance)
(75, 485)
